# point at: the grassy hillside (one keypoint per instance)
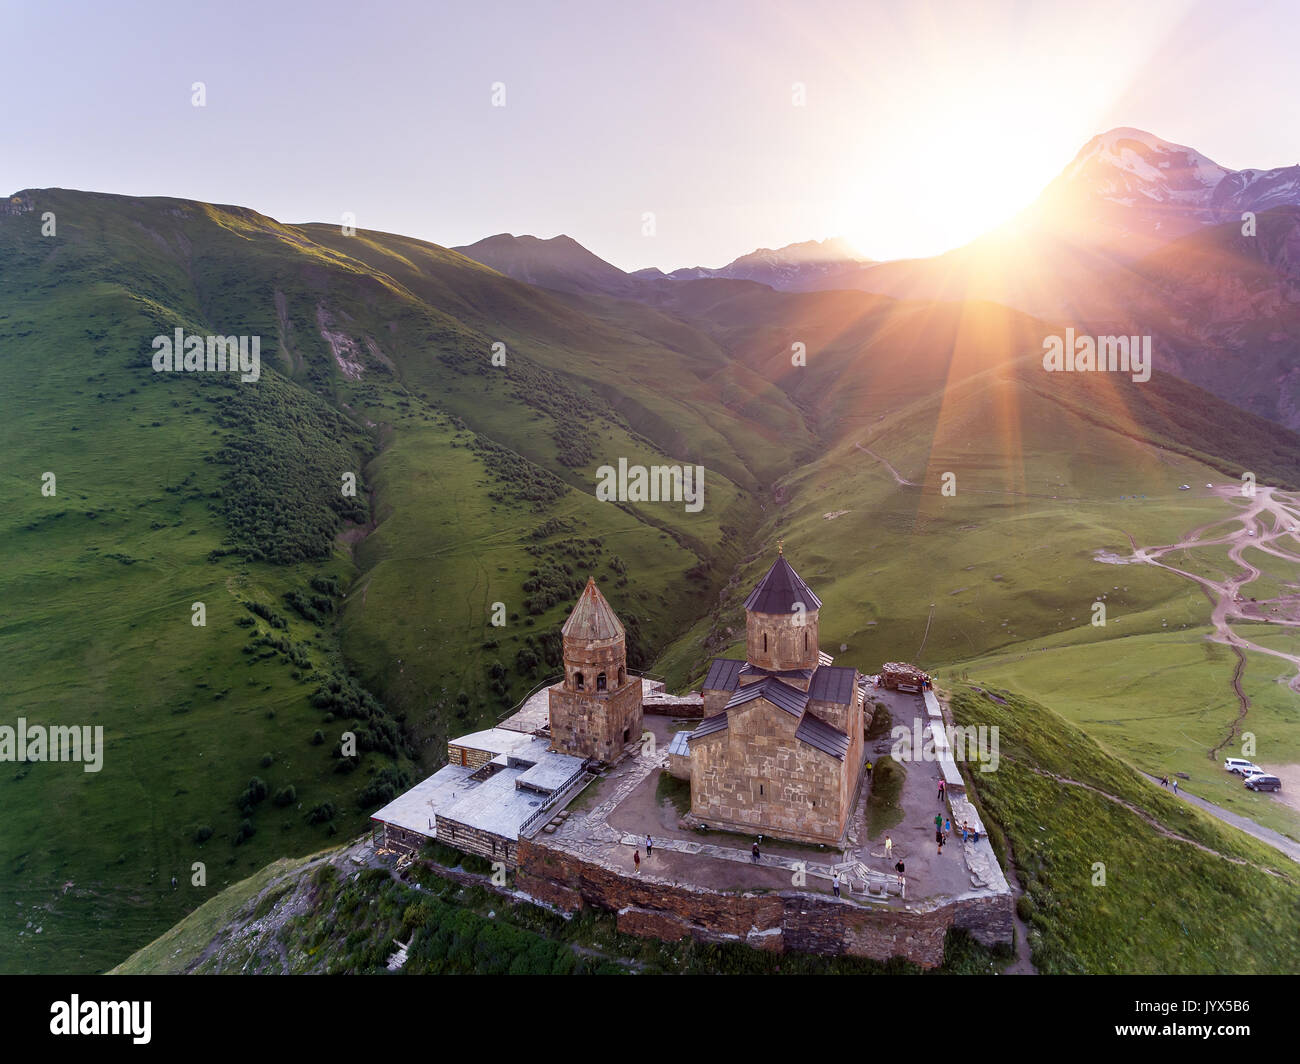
(473, 487)
(1121, 876)
(1041, 482)
(371, 613)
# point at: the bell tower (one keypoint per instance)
(595, 711)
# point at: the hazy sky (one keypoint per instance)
(923, 123)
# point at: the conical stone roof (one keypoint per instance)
(780, 589)
(592, 618)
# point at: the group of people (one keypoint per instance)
(1165, 781)
(943, 828)
(649, 849)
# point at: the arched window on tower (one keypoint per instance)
(577, 680)
(764, 642)
(805, 640)
(600, 681)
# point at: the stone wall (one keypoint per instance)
(691, 710)
(473, 758)
(396, 838)
(475, 840)
(591, 724)
(792, 920)
(679, 766)
(853, 722)
(756, 776)
(777, 641)
(715, 702)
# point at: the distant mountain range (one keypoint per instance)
(1136, 235)
(803, 267)
(561, 263)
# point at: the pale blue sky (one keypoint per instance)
(924, 123)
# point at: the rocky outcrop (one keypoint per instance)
(18, 203)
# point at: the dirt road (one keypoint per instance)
(1226, 595)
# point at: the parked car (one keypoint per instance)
(1263, 782)
(1239, 766)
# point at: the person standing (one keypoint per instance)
(649, 845)
(1174, 781)
(889, 847)
(835, 883)
(941, 790)
(636, 861)
(947, 825)
(938, 821)
(754, 853)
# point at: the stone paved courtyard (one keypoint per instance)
(609, 821)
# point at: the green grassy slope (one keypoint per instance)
(1040, 487)
(1106, 890)
(176, 489)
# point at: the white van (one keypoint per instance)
(1240, 766)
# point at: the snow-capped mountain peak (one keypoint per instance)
(1132, 184)
(1126, 162)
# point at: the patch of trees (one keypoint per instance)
(267, 614)
(321, 814)
(283, 459)
(519, 480)
(384, 786)
(254, 793)
(548, 584)
(343, 697)
(550, 527)
(316, 609)
(541, 652)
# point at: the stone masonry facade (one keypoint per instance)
(591, 724)
(794, 921)
(754, 776)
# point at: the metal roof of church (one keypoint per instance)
(825, 737)
(780, 589)
(781, 695)
(592, 617)
(708, 726)
(723, 675)
(832, 683)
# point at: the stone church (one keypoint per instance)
(781, 747)
(595, 711)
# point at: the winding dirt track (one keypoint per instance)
(1226, 595)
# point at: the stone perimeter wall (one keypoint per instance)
(792, 920)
